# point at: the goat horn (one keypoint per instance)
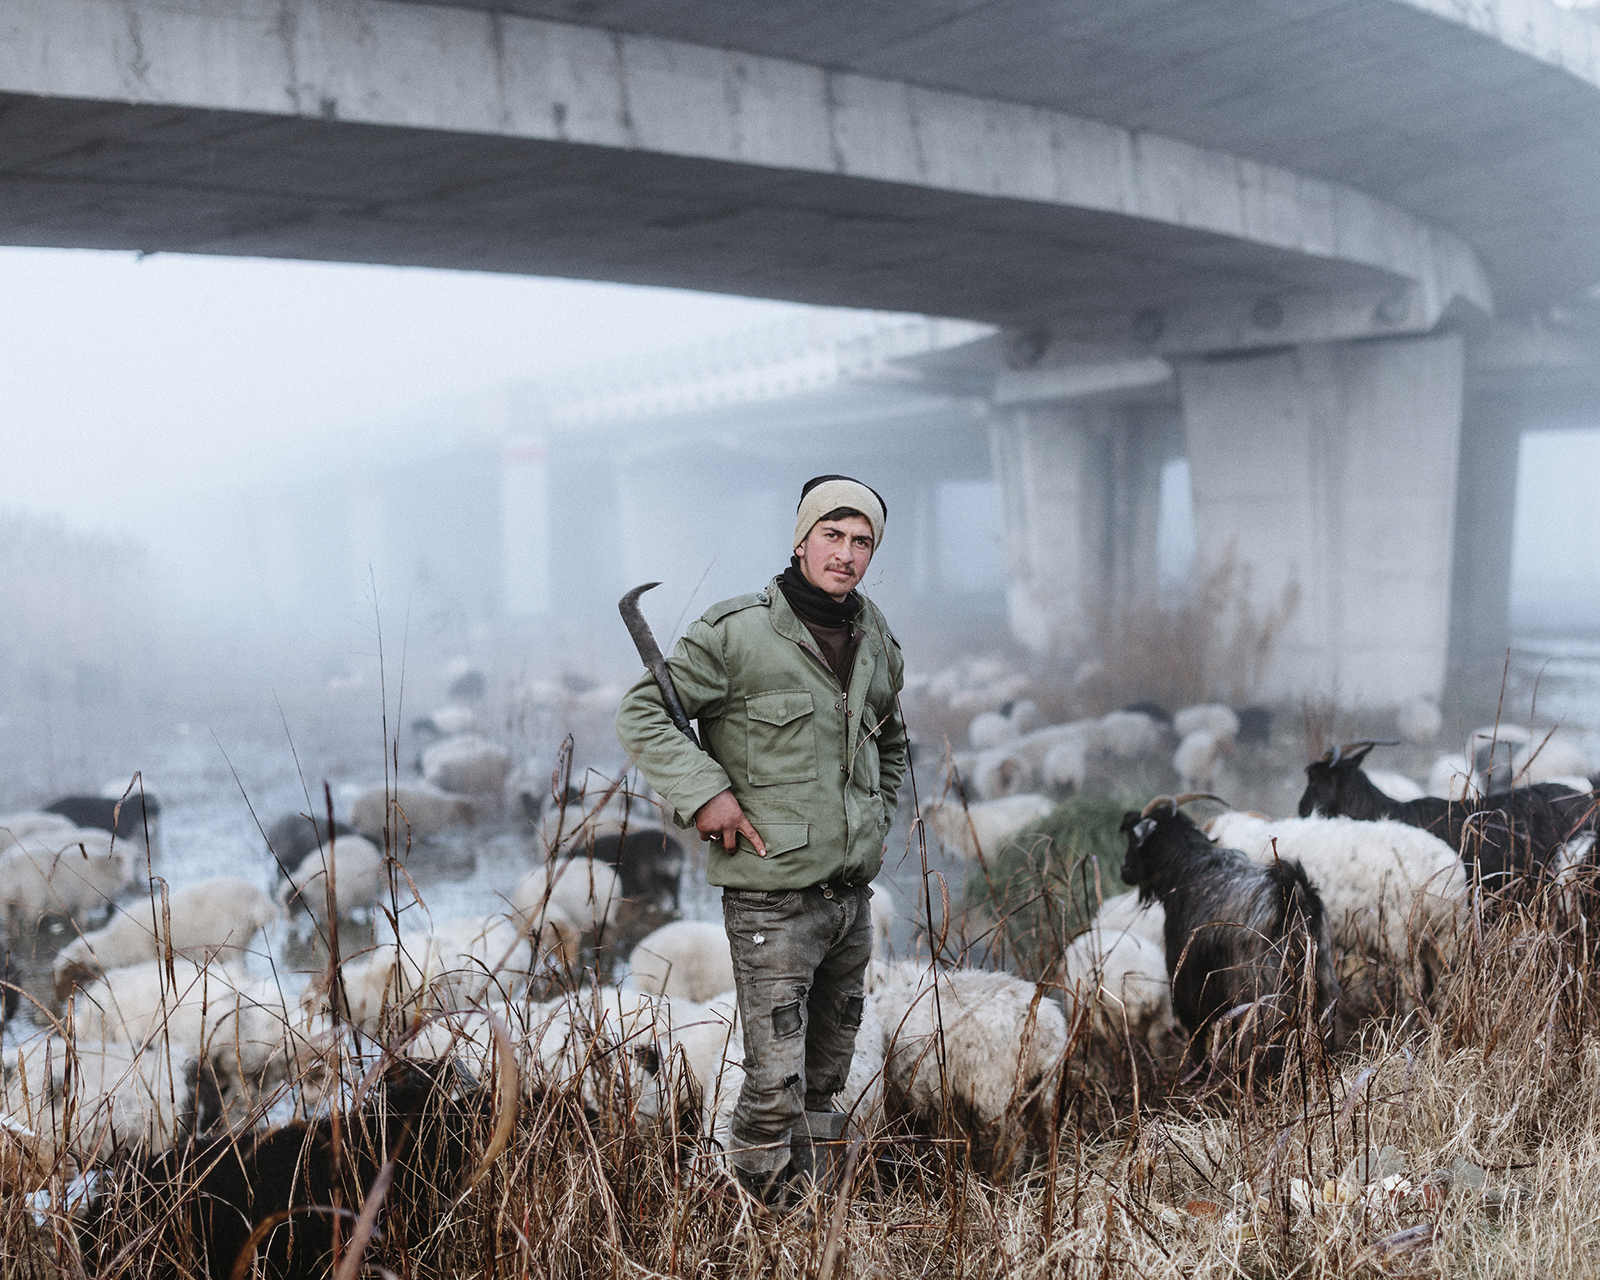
(1333, 756)
(1154, 805)
(1198, 795)
(1370, 742)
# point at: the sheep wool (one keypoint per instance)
(1128, 735)
(422, 811)
(357, 878)
(70, 873)
(584, 889)
(1395, 785)
(1000, 1041)
(1207, 717)
(1003, 772)
(1379, 881)
(985, 825)
(991, 729)
(467, 765)
(685, 960)
(1199, 758)
(1125, 975)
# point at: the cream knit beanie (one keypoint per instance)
(829, 493)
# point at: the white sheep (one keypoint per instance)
(1198, 759)
(357, 878)
(1208, 717)
(1558, 759)
(18, 826)
(71, 873)
(1418, 720)
(1382, 883)
(454, 719)
(684, 960)
(214, 916)
(1037, 745)
(455, 965)
(423, 811)
(985, 824)
(990, 729)
(1395, 785)
(585, 891)
(466, 765)
(1124, 974)
(1126, 914)
(1002, 1038)
(1453, 778)
(1003, 772)
(1128, 735)
(239, 1024)
(1066, 766)
(89, 1101)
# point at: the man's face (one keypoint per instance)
(836, 554)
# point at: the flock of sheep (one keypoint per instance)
(177, 1020)
(1246, 925)
(171, 1024)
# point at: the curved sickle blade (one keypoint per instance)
(645, 641)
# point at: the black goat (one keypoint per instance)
(302, 1186)
(123, 818)
(1504, 839)
(1240, 935)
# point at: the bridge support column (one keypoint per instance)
(1080, 495)
(1330, 470)
(1486, 500)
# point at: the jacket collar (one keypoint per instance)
(787, 624)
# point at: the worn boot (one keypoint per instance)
(817, 1151)
(765, 1186)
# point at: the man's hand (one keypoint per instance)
(721, 818)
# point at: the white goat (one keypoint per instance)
(218, 916)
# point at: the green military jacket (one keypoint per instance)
(816, 769)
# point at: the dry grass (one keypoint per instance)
(1147, 1176)
(1178, 651)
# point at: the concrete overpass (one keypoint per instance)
(1301, 211)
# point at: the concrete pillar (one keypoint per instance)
(1053, 468)
(1486, 500)
(1141, 443)
(1331, 468)
(525, 526)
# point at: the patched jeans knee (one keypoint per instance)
(799, 959)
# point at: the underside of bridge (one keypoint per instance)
(1286, 228)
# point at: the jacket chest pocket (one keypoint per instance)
(782, 736)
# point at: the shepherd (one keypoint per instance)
(796, 688)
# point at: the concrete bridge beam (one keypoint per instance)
(1330, 471)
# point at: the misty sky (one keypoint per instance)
(130, 387)
(127, 386)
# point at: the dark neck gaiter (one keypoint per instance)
(813, 604)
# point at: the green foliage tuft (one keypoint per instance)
(1047, 882)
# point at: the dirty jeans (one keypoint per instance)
(799, 960)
